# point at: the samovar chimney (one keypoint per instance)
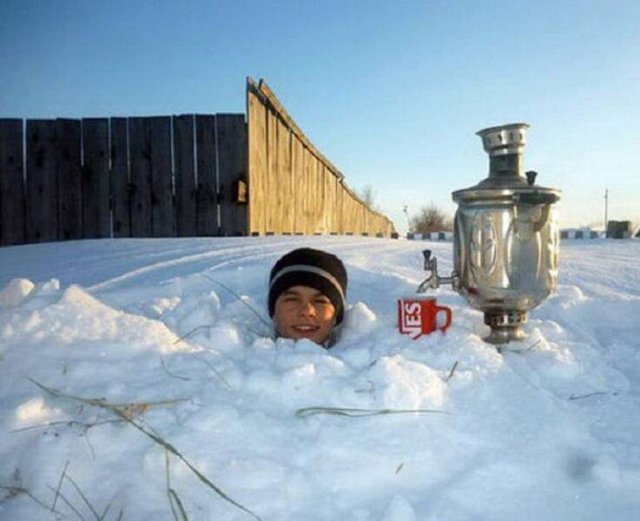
(505, 146)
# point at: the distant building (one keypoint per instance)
(619, 229)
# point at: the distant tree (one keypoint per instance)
(430, 219)
(368, 196)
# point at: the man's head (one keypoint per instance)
(307, 294)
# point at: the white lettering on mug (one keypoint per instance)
(411, 319)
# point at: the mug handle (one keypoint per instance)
(448, 313)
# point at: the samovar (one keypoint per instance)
(506, 239)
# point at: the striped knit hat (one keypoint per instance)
(313, 268)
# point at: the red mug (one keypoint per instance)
(418, 316)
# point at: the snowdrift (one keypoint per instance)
(138, 380)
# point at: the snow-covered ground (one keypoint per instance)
(134, 385)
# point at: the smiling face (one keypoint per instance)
(304, 312)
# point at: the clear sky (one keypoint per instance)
(392, 92)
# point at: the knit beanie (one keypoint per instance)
(313, 268)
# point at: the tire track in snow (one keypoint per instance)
(219, 258)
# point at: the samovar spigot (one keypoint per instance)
(433, 281)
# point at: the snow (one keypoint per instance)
(165, 333)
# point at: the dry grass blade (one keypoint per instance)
(453, 370)
(216, 373)
(251, 308)
(106, 511)
(531, 347)
(173, 497)
(55, 498)
(68, 423)
(171, 374)
(82, 495)
(70, 505)
(117, 410)
(174, 500)
(360, 413)
(13, 491)
(589, 395)
(191, 332)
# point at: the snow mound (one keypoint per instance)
(122, 380)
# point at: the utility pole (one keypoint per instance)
(606, 209)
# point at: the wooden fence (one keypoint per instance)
(173, 176)
(122, 177)
(293, 188)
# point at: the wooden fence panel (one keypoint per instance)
(185, 175)
(332, 184)
(232, 172)
(95, 178)
(314, 192)
(352, 214)
(283, 169)
(69, 165)
(339, 224)
(318, 226)
(206, 198)
(272, 201)
(257, 135)
(309, 177)
(42, 183)
(159, 129)
(120, 181)
(297, 184)
(307, 165)
(140, 161)
(12, 189)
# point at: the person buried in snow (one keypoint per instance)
(307, 296)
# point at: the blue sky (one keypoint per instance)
(391, 92)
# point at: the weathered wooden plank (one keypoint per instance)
(232, 169)
(331, 194)
(162, 215)
(350, 210)
(339, 208)
(12, 189)
(206, 198)
(318, 198)
(69, 138)
(297, 189)
(185, 175)
(96, 218)
(120, 180)
(283, 167)
(140, 178)
(257, 161)
(310, 166)
(272, 203)
(42, 182)
(329, 200)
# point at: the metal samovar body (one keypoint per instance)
(506, 239)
